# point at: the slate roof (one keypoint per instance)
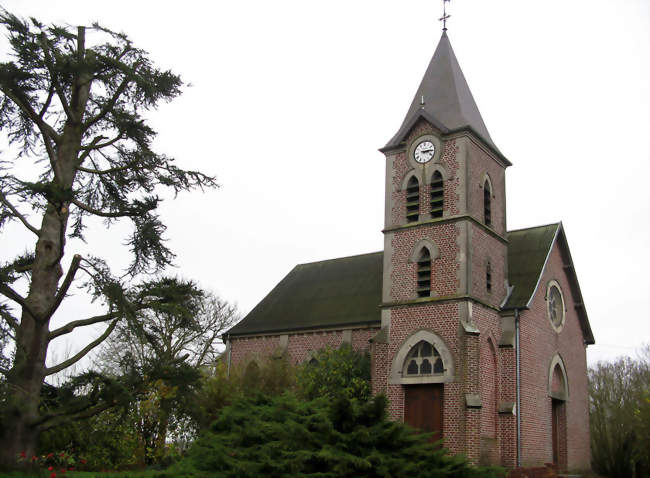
(527, 252)
(332, 293)
(448, 101)
(346, 291)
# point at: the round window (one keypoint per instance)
(555, 303)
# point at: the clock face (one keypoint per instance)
(424, 152)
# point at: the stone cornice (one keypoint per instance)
(446, 220)
(442, 299)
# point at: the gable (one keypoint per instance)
(528, 253)
(335, 293)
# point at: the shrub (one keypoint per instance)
(335, 372)
(284, 436)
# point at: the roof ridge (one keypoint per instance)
(339, 258)
(535, 227)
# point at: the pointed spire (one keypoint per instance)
(444, 99)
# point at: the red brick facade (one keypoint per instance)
(462, 316)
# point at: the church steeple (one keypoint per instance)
(444, 99)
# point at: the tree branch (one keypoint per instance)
(55, 80)
(110, 104)
(17, 214)
(82, 353)
(99, 213)
(103, 171)
(63, 290)
(69, 327)
(9, 293)
(47, 103)
(92, 145)
(55, 419)
(27, 108)
(13, 323)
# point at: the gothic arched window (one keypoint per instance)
(424, 273)
(487, 198)
(412, 200)
(437, 195)
(423, 359)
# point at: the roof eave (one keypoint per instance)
(397, 141)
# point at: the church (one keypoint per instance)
(475, 332)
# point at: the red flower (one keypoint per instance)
(62, 454)
(53, 475)
(22, 454)
(62, 470)
(34, 458)
(50, 455)
(50, 468)
(83, 462)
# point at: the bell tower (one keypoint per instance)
(445, 256)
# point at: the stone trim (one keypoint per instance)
(557, 360)
(473, 400)
(445, 220)
(426, 300)
(430, 245)
(556, 284)
(413, 339)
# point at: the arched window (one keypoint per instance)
(423, 359)
(412, 200)
(488, 277)
(487, 198)
(424, 273)
(437, 195)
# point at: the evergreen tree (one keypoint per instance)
(283, 436)
(74, 109)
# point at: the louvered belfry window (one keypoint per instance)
(412, 200)
(487, 198)
(424, 273)
(437, 195)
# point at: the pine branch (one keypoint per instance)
(55, 419)
(13, 323)
(93, 145)
(55, 79)
(83, 352)
(111, 103)
(17, 214)
(47, 103)
(99, 213)
(63, 290)
(45, 128)
(69, 327)
(11, 294)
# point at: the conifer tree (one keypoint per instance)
(72, 103)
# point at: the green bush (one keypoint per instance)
(284, 436)
(335, 372)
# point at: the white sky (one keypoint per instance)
(291, 99)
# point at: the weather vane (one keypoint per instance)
(444, 17)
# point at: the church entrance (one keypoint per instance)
(423, 405)
(558, 432)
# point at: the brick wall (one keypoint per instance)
(299, 344)
(481, 163)
(539, 342)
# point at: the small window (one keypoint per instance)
(488, 277)
(423, 359)
(437, 195)
(424, 273)
(412, 200)
(487, 198)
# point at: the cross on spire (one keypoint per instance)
(445, 16)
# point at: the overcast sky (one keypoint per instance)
(291, 99)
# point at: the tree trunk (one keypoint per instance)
(25, 378)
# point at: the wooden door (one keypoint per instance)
(423, 408)
(555, 416)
